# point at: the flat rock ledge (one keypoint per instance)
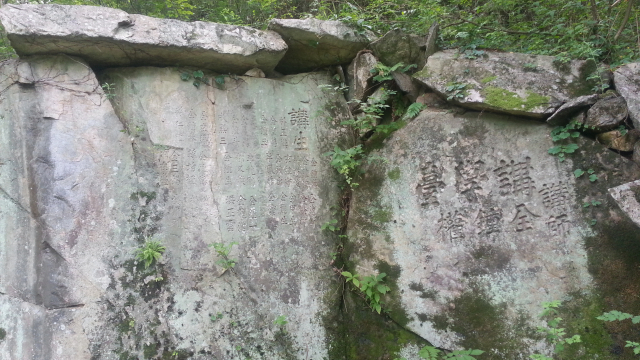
(517, 84)
(110, 37)
(314, 44)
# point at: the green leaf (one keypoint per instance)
(555, 150)
(198, 74)
(185, 76)
(219, 79)
(570, 148)
(593, 178)
(356, 282)
(578, 172)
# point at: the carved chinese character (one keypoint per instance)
(300, 142)
(558, 225)
(299, 117)
(523, 218)
(471, 173)
(555, 196)
(514, 177)
(453, 225)
(430, 183)
(489, 220)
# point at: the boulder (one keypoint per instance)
(84, 183)
(627, 197)
(617, 141)
(360, 78)
(627, 83)
(519, 84)
(110, 37)
(315, 44)
(396, 46)
(567, 110)
(431, 100)
(407, 85)
(476, 226)
(607, 113)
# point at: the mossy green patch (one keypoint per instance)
(150, 351)
(3, 334)
(394, 174)
(369, 335)
(488, 79)
(579, 317)
(382, 216)
(584, 85)
(485, 326)
(393, 303)
(505, 99)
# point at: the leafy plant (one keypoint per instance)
(455, 90)
(431, 353)
(216, 317)
(623, 130)
(281, 320)
(372, 287)
(384, 72)
(553, 332)
(530, 67)
(621, 316)
(223, 251)
(109, 90)
(198, 78)
(413, 110)
(592, 203)
(331, 225)
(346, 162)
(149, 252)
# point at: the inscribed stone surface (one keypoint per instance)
(480, 223)
(237, 164)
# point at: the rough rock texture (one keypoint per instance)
(314, 44)
(607, 113)
(111, 37)
(519, 84)
(627, 82)
(64, 168)
(190, 167)
(407, 85)
(563, 115)
(616, 141)
(360, 78)
(397, 46)
(476, 225)
(627, 196)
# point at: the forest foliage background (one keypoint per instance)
(604, 30)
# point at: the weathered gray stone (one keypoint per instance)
(519, 84)
(476, 225)
(627, 196)
(616, 141)
(430, 46)
(255, 72)
(396, 46)
(607, 113)
(111, 37)
(64, 169)
(627, 82)
(360, 78)
(431, 100)
(407, 85)
(240, 164)
(192, 166)
(315, 44)
(563, 115)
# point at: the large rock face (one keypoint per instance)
(189, 168)
(314, 44)
(627, 81)
(65, 170)
(476, 225)
(110, 37)
(518, 84)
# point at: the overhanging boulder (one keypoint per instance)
(518, 84)
(111, 37)
(314, 44)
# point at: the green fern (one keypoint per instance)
(151, 251)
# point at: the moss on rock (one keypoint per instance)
(505, 99)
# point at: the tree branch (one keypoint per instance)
(624, 21)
